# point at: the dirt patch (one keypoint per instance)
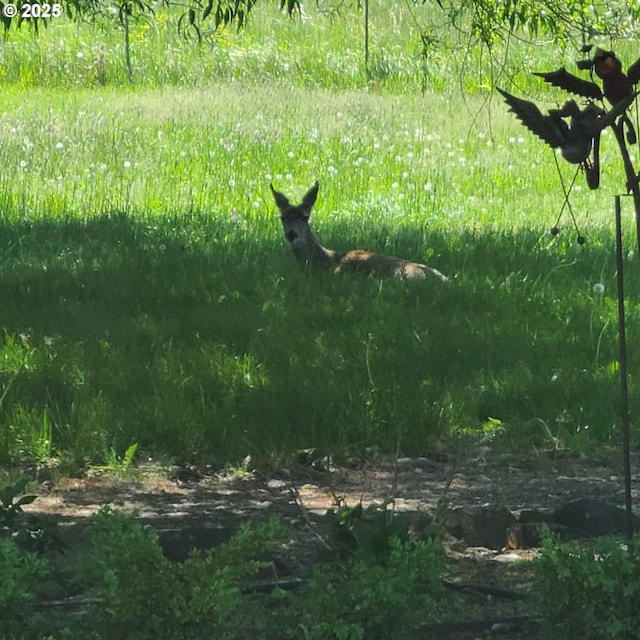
(196, 509)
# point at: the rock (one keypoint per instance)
(534, 515)
(592, 517)
(583, 518)
(177, 544)
(480, 526)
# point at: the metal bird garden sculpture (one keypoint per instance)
(575, 130)
(576, 139)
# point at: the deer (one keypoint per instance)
(311, 254)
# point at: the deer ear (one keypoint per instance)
(281, 200)
(310, 197)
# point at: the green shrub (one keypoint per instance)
(364, 599)
(20, 572)
(143, 595)
(589, 591)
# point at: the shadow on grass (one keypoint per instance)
(202, 341)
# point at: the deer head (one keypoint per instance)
(295, 223)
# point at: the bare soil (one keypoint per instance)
(196, 508)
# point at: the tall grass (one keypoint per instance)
(324, 49)
(148, 297)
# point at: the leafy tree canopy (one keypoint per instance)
(492, 21)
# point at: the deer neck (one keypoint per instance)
(313, 254)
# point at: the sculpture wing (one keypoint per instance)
(633, 72)
(544, 127)
(567, 81)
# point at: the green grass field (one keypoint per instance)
(147, 294)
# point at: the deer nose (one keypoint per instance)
(291, 236)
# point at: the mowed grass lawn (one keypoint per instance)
(147, 294)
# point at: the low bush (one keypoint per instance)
(589, 591)
(21, 572)
(21, 567)
(370, 599)
(142, 595)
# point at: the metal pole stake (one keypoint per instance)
(624, 409)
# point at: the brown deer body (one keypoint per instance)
(309, 252)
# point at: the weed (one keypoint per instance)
(33, 534)
(120, 466)
(365, 532)
(11, 502)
